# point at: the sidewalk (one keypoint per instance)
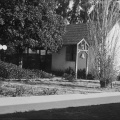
(22, 104)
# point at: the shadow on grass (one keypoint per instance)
(95, 112)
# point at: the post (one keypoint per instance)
(87, 58)
(76, 61)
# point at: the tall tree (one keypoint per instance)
(75, 11)
(101, 21)
(30, 23)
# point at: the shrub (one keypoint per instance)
(70, 71)
(20, 90)
(81, 74)
(58, 72)
(90, 76)
(104, 83)
(49, 91)
(42, 74)
(11, 71)
(118, 77)
(69, 74)
(69, 77)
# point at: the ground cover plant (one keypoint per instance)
(16, 90)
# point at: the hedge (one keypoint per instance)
(12, 71)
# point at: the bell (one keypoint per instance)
(82, 56)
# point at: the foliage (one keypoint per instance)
(69, 74)
(49, 91)
(19, 90)
(102, 19)
(81, 74)
(69, 77)
(25, 23)
(70, 71)
(118, 77)
(90, 76)
(42, 74)
(11, 71)
(77, 13)
(58, 72)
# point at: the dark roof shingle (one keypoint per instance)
(75, 33)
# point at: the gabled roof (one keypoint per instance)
(75, 33)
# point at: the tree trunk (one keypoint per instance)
(20, 53)
(104, 83)
(21, 61)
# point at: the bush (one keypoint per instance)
(42, 74)
(70, 71)
(69, 74)
(20, 90)
(69, 77)
(81, 74)
(23, 91)
(12, 71)
(104, 83)
(58, 72)
(90, 76)
(49, 91)
(118, 77)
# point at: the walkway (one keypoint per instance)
(21, 104)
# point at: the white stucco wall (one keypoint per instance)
(59, 61)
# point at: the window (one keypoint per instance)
(71, 53)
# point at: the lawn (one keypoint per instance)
(46, 87)
(50, 87)
(95, 112)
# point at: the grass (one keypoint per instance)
(49, 87)
(95, 112)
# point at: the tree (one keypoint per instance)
(101, 21)
(30, 23)
(75, 11)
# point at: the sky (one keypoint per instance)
(71, 4)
